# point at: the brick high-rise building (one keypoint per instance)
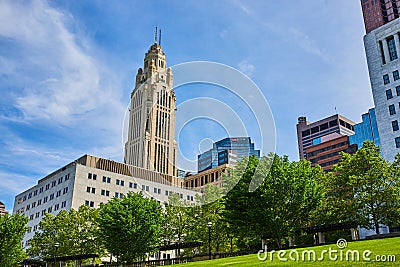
(379, 12)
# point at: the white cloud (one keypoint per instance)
(69, 81)
(246, 67)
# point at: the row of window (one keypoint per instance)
(48, 210)
(396, 76)
(40, 190)
(389, 94)
(44, 200)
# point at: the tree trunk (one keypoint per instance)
(376, 226)
(279, 242)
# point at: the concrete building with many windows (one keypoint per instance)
(382, 47)
(2, 209)
(91, 181)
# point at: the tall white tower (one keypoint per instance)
(151, 138)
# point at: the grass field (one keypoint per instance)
(379, 248)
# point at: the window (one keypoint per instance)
(117, 182)
(159, 191)
(34, 204)
(392, 49)
(155, 190)
(104, 179)
(41, 190)
(63, 204)
(130, 185)
(386, 79)
(396, 75)
(89, 175)
(397, 140)
(50, 209)
(94, 176)
(52, 196)
(147, 188)
(108, 180)
(87, 202)
(107, 193)
(47, 186)
(28, 207)
(60, 180)
(122, 183)
(116, 194)
(39, 202)
(121, 195)
(93, 190)
(53, 184)
(166, 192)
(37, 214)
(67, 177)
(143, 187)
(88, 189)
(58, 193)
(31, 217)
(35, 192)
(45, 199)
(43, 212)
(65, 190)
(389, 94)
(56, 207)
(392, 110)
(30, 195)
(395, 126)
(103, 192)
(398, 90)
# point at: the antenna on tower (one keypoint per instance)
(159, 38)
(155, 35)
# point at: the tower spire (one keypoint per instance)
(159, 38)
(155, 35)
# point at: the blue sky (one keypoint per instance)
(67, 69)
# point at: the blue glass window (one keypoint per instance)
(389, 94)
(392, 48)
(386, 79)
(395, 126)
(392, 110)
(396, 75)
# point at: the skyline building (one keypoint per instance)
(226, 151)
(2, 209)
(311, 134)
(367, 129)
(382, 46)
(151, 136)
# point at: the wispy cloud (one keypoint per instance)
(69, 80)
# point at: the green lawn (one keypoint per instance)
(381, 247)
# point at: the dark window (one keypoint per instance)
(386, 79)
(89, 175)
(398, 90)
(333, 123)
(104, 179)
(396, 75)
(397, 140)
(389, 94)
(305, 133)
(314, 130)
(323, 126)
(122, 183)
(94, 176)
(88, 189)
(392, 48)
(395, 125)
(392, 110)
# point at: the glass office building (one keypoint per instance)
(226, 151)
(366, 130)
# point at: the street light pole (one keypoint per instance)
(55, 255)
(209, 240)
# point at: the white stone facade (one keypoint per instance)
(90, 181)
(382, 49)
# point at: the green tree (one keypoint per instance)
(12, 230)
(75, 231)
(282, 204)
(130, 226)
(370, 185)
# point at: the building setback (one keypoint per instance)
(379, 12)
(382, 47)
(91, 181)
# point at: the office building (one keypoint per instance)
(226, 151)
(382, 47)
(90, 181)
(199, 181)
(2, 209)
(379, 12)
(311, 134)
(327, 153)
(151, 136)
(366, 130)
